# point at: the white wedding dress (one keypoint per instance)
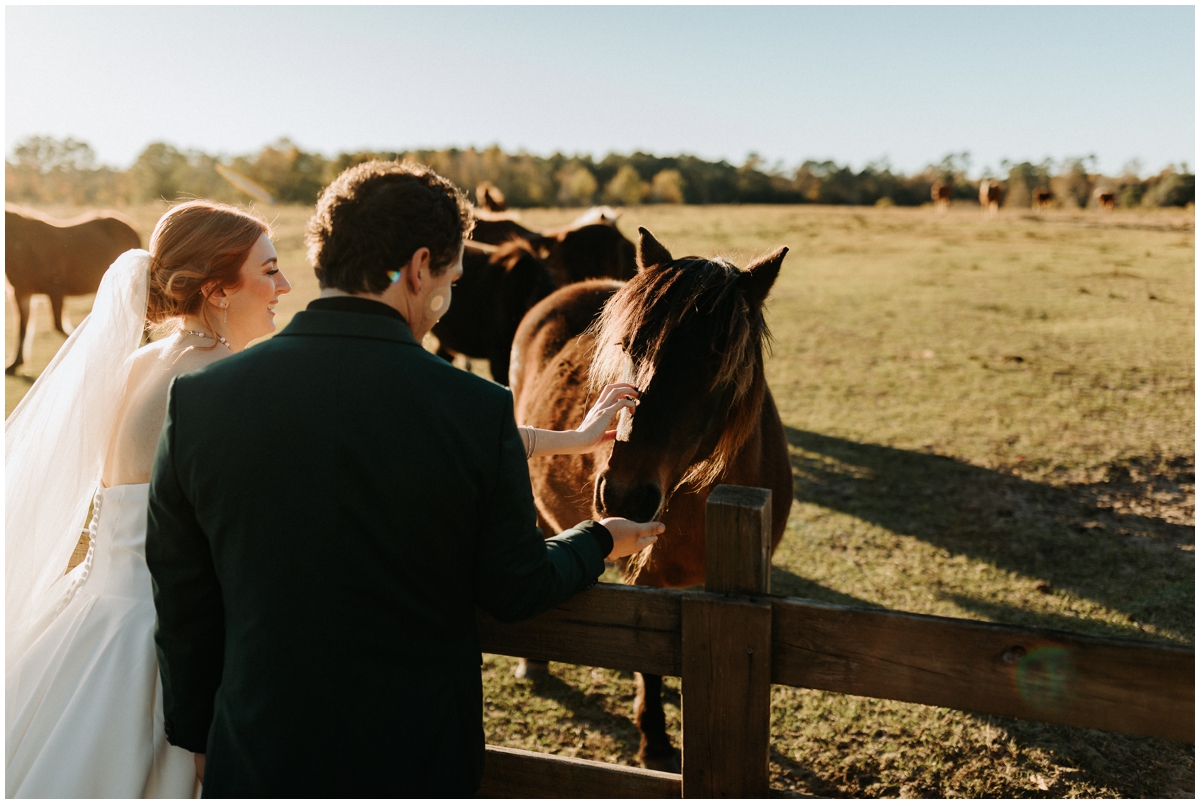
(83, 701)
(85, 717)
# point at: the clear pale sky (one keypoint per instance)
(852, 84)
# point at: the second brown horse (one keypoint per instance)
(59, 258)
(690, 334)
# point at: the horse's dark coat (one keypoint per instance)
(690, 334)
(578, 251)
(488, 303)
(59, 258)
(495, 291)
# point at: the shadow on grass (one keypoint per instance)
(1015, 615)
(1130, 765)
(587, 710)
(1127, 562)
(784, 582)
(817, 786)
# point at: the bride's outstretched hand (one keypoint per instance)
(595, 428)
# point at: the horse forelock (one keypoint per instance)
(637, 323)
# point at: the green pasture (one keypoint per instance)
(989, 418)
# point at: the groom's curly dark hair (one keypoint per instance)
(375, 215)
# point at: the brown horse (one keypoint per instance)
(1043, 198)
(941, 192)
(690, 334)
(593, 251)
(498, 286)
(59, 258)
(495, 230)
(497, 289)
(991, 194)
(1106, 199)
(589, 247)
(489, 197)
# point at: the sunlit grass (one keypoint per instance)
(988, 419)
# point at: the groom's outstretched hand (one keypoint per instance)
(630, 537)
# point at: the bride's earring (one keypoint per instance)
(225, 319)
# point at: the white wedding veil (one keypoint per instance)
(55, 443)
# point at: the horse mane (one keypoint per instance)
(638, 321)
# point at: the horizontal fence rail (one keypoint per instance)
(513, 773)
(609, 625)
(1029, 673)
(731, 642)
(1032, 673)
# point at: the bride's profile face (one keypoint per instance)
(252, 305)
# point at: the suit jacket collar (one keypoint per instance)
(349, 325)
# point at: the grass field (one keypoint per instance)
(989, 418)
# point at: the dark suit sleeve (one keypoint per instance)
(190, 635)
(518, 573)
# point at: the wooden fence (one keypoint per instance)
(730, 642)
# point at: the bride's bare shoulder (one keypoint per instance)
(150, 355)
(144, 406)
(157, 363)
(150, 375)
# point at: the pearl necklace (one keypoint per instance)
(220, 338)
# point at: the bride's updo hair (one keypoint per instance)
(195, 244)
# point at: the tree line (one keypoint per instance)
(49, 170)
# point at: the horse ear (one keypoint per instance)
(760, 276)
(649, 251)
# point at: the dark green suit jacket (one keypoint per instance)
(327, 510)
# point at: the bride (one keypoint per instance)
(83, 701)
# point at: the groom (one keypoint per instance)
(328, 509)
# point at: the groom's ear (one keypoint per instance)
(412, 273)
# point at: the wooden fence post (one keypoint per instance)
(727, 653)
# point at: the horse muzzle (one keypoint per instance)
(639, 500)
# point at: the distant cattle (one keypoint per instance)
(991, 194)
(498, 286)
(489, 197)
(1106, 199)
(941, 192)
(59, 258)
(1043, 198)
